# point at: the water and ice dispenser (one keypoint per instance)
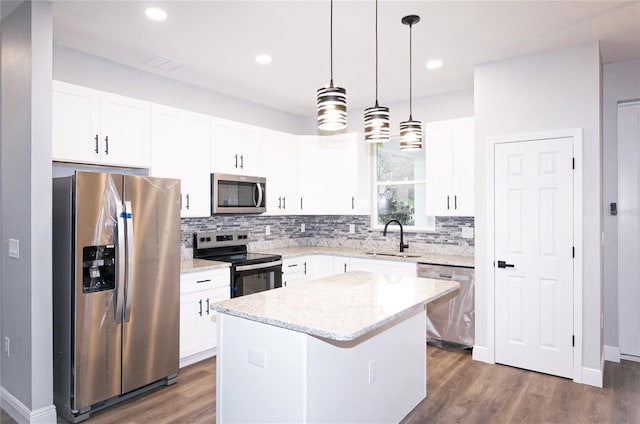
(98, 268)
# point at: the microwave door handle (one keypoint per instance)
(120, 258)
(259, 194)
(130, 262)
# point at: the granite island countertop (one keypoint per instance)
(415, 257)
(341, 307)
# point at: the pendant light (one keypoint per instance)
(332, 101)
(410, 131)
(376, 118)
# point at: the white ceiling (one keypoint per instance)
(218, 40)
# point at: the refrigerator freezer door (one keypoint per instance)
(151, 328)
(98, 341)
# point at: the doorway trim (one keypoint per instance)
(579, 375)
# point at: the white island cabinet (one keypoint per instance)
(346, 348)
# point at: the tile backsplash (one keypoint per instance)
(333, 231)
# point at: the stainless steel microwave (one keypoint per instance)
(238, 194)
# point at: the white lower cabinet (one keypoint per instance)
(198, 291)
(294, 271)
(341, 264)
(407, 269)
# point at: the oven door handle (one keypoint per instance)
(258, 266)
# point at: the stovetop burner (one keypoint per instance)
(228, 247)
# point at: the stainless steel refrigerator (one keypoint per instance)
(116, 288)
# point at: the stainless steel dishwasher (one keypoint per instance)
(451, 320)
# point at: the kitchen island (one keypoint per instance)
(346, 348)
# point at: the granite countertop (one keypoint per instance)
(195, 265)
(342, 307)
(416, 257)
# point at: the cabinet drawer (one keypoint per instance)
(205, 280)
(294, 266)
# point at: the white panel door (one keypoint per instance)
(629, 227)
(534, 240)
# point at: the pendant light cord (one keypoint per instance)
(410, 75)
(376, 53)
(331, 44)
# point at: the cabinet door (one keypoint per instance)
(313, 175)
(463, 156)
(341, 264)
(236, 148)
(75, 123)
(439, 168)
(125, 131)
(320, 266)
(407, 269)
(191, 310)
(280, 167)
(182, 150)
(209, 327)
(341, 153)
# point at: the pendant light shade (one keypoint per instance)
(332, 101)
(376, 118)
(410, 131)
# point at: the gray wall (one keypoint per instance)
(26, 197)
(552, 90)
(621, 81)
(91, 71)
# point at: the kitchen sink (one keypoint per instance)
(396, 255)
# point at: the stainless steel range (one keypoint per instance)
(250, 272)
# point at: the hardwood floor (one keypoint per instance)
(459, 391)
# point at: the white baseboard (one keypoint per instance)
(22, 414)
(611, 353)
(201, 356)
(482, 354)
(592, 377)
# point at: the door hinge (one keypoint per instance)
(573, 251)
(573, 341)
(573, 163)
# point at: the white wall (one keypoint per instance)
(541, 92)
(621, 82)
(92, 71)
(27, 374)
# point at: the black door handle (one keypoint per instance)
(503, 264)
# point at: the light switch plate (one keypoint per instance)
(302, 228)
(267, 229)
(352, 228)
(14, 248)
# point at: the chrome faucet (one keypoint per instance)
(402, 245)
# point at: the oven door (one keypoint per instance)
(255, 278)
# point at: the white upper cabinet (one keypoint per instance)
(328, 174)
(236, 148)
(450, 167)
(182, 149)
(91, 126)
(280, 167)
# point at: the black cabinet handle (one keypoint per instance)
(284, 203)
(203, 281)
(207, 306)
(241, 161)
(180, 201)
(279, 202)
(200, 302)
(353, 202)
(301, 203)
(503, 264)
(305, 268)
(106, 144)
(345, 267)
(96, 140)
(236, 161)
(447, 202)
(187, 202)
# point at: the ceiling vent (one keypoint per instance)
(163, 63)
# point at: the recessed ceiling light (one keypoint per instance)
(263, 59)
(434, 64)
(156, 14)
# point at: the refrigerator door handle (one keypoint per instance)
(130, 263)
(119, 291)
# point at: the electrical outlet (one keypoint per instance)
(352, 228)
(14, 248)
(467, 232)
(267, 229)
(302, 228)
(372, 371)
(7, 347)
(257, 358)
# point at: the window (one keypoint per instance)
(400, 187)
